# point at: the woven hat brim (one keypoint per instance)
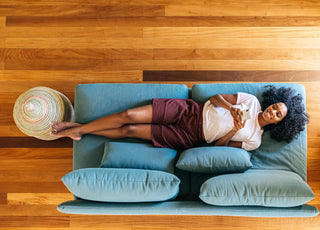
(35, 108)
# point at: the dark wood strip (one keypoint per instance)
(31, 142)
(231, 21)
(256, 76)
(3, 198)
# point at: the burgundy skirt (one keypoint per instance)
(177, 123)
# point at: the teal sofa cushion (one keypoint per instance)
(271, 154)
(271, 188)
(214, 159)
(122, 185)
(138, 156)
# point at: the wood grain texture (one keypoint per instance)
(100, 2)
(33, 187)
(2, 21)
(174, 21)
(237, 54)
(82, 10)
(158, 2)
(61, 44)
(231, 32)
(19, 210)
(255, 76)
(34, 221)
(37, 198)
(243, 8)
(71, 32)
(172, 42)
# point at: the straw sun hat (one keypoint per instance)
(35, 108)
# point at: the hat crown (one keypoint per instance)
(35, 108)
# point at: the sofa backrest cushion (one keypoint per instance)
(271, 154)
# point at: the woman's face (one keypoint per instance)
(275, 113)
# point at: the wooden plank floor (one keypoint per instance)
(60, 44)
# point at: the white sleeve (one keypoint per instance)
(252, 144)
(250, 101)
(245, 98)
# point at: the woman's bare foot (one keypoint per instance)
(71, 133)
(60, 126)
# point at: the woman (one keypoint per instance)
(184, 123)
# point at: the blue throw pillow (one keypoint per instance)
(138, 156)
(122, 185)
(271, 188)
(214, 159)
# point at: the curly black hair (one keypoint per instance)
(295, 120)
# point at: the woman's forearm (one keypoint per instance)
(219, 101)
(223, 141)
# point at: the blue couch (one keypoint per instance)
(93, 101)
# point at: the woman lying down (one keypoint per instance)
(227, 119)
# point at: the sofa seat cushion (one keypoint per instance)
(138, 156)
(122, 185)
(193, 208)
(214, 159)
(271, 188)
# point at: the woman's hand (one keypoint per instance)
(236, 114)
(225, 140)
(238, 125)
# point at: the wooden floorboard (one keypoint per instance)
(31, 142)
(173, 21)
(61, 44)
(246, 76)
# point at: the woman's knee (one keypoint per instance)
(129, 130)
(126, 116)
(137, 131)
(138, 115)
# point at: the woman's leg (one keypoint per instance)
(140, 115)
(141, 131)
